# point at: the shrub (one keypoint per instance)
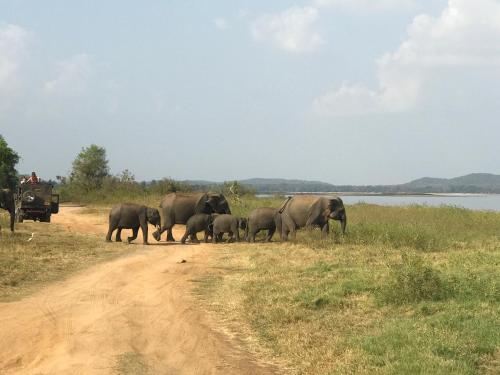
(413, 281)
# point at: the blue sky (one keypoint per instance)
(355, 92)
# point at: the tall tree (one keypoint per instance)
(8, 160)
(90, 167)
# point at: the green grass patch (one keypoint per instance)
(131, 363)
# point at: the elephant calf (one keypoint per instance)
(261, 219)
(230, 224)
(132, 216)
(195, 224)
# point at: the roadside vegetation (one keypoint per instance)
(51, 254)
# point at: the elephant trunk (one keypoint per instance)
(343, 223)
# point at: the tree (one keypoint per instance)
(8, 160)
(90, 167)
(126, 177)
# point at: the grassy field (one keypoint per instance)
(409, 290)
(50, 255)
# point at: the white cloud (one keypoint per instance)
(73, 76)
(13, 41)
(293, 30)
(462, 41)
(221, 23)
(365, 5)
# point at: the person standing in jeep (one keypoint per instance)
(33, 179)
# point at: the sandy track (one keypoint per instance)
(139, 303)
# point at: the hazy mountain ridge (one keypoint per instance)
(471, 183)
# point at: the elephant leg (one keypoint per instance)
(215, 237)
(205, 238)
(251, 235)
(118, 235)
(289, 228)
(278, 223)
(144, 227)
(157, 233)
(184, 238)
(236, 232)
(230, 237)
(135, 231)
(167, 223)
(170, 237)
(110, 233)
(270, 234)
(12, 218)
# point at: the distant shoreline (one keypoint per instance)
(375, 194)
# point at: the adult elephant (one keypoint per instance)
(310, 210)
(177, 208)
(7, 203)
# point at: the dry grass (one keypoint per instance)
(52, 254)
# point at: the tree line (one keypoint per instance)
(90, 179)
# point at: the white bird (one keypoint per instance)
(32, 235)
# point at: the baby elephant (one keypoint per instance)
(132, 216)
(228, 224)
(260, 219)
(195, 224)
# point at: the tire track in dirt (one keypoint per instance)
(136, 304)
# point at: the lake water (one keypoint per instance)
(471, 201)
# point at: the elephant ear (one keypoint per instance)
(214, 200)
(202, 203)
(335, 203)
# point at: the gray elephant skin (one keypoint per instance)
(195, 224)
(228, 224)
(7, 203)
(263, 218)
(177, 208)
(132, 216)
(311, 211)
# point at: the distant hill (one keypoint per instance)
(271, 185)
(471, 183)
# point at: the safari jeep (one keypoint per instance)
(36, 202)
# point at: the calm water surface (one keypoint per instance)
(474, 202)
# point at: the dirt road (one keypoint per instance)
(140, 304)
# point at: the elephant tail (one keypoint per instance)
(284, 205)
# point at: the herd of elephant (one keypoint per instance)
(210, 213)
